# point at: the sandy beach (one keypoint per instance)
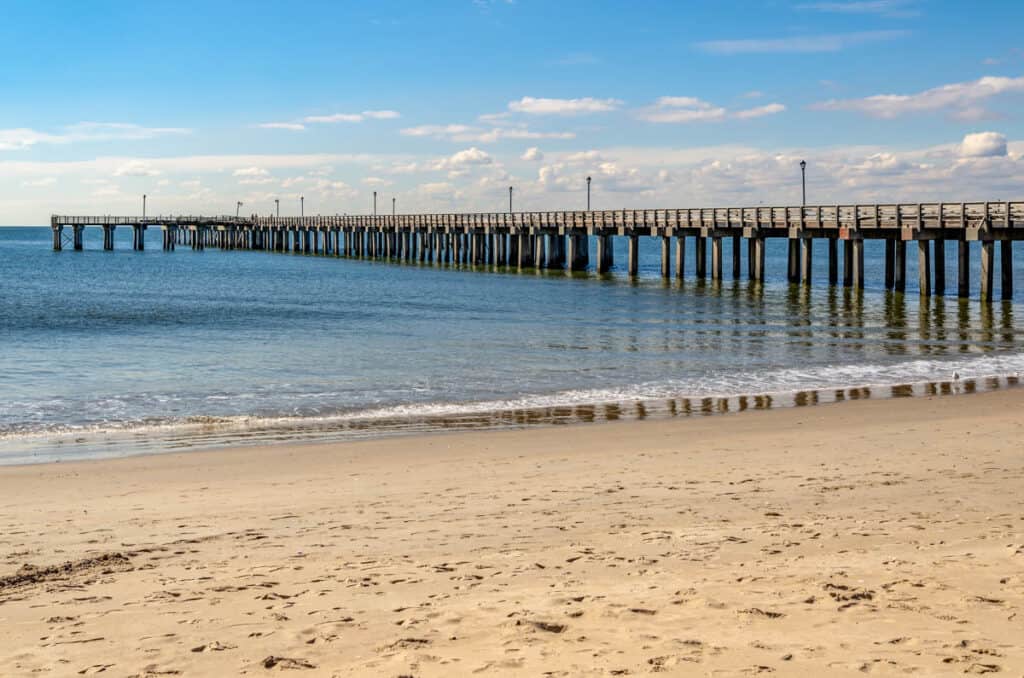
(882, 537)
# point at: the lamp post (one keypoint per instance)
(510, 199)
(277, 206)
(238, 207)
(143, 205)
(302, 205)
(803, 182)
(588, 194)
(375, 203)
(392, 206)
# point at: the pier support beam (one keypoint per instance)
(700, 256)
(899, 270)
(737, 245)
(605, 257)
(716, 257)
(963, 272)
(680, 256)
(666, 257)
(793, 261)
(138, 237)
(1006, 269)
(833, 261)
(634, 255)
(76, 235)
(939, 266)
(758, 259)
(924, 268)
(988, 249)
(108, 237)
(890, 262)
(806, 259)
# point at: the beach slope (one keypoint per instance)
(875, 536)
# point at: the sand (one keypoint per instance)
(884, 537)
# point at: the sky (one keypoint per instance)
(441, 106)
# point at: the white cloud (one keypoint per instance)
(352, 117)
(808, 43)
(691, 109)
(464, 158)
(23, 138)
(377, 181)
(887, 8)
(469, 134)
(533, 154)
(983, 145)
(37, 183)
(759, 111)
(136, 168)
(250, 172)
(293, 126)
(541, 106)
(963, 100)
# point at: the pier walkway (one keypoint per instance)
(561, 240)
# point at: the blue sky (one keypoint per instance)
(444, 105)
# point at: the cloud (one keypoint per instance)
(468, 157)
(38, 183)
(533, 154)
(352, 117)
(136, 168)
(692, 109)
(23, 138)
(470, 134)
(250, 172)
(540, 106)
(759, 111)
(962, 100)
(293, 126)
(983, 145)
(888, 8)
(377, 181)
(798, 44)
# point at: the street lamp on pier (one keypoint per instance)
(803, 182)
(277, 207)
(143, 205)
(588, 194)
(238, 208)
(392, 206)
(302, 205)
(375, 203)
(510, 199)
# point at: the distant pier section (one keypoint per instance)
(562, 240)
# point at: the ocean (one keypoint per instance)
(115, 353)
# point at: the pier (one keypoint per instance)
(561, 240)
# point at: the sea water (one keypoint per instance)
(113, 353)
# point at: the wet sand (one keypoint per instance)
(875, 536)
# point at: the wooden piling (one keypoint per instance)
(899, 274)
(633, 256)
(806, 259)
(680, 256)
(833, 260)
(737, 245)
(924, 268)
(716, 257)
(1006, 269)
(939, 266)
(987, 265)
(666, 256)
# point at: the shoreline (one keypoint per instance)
(877, 536)
(222, 433)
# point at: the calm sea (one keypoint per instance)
(115, 353)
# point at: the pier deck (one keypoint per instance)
(561, 239)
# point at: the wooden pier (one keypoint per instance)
(560, 240)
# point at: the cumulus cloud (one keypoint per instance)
(963, 100)
(533, 154)
(541, 106)
(692, 109)
(832, 42)
(38, 183)
(983, 145)
(462, 159)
